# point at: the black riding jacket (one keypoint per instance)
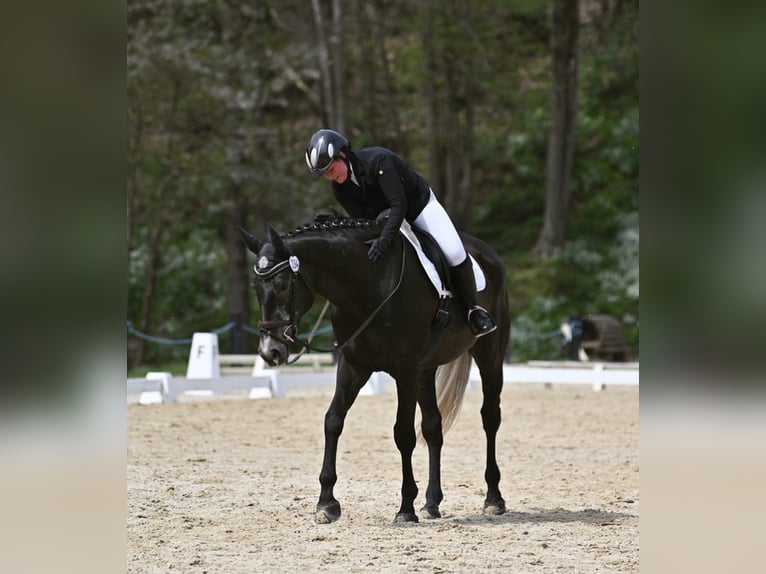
(385, 181)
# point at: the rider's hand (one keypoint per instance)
(377, 247)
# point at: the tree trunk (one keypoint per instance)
(561, 137)
(145, 320)
(367, 38)
(432, 73)
(339, 85)
(325, 77)
(330, 51)
(449, 63)
(238, 287)
(462, 192)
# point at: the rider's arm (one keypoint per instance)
(391, 185)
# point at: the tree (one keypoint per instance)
(447, 37)
(561, 135)
(377, 95)
(238, 288)
(210, 88)
(330, 51)
(223, 96)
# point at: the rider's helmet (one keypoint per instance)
(324, 147)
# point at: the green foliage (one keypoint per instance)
(597, 271)
(190, 270)
(214, 105)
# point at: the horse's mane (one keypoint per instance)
(335, 222)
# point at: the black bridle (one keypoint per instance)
(289, 334)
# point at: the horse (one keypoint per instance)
(383, 319)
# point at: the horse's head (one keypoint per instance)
(283, 295)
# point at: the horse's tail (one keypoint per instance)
(451, 381)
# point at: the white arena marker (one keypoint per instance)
(203, 357)
(260, 393)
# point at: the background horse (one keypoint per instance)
(383, 318)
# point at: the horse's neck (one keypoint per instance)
(333, 270)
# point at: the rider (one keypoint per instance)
(370, 180)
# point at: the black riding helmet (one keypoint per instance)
(324, 147)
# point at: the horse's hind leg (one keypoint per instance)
(348, 383)
(432, 433)
(490, 363)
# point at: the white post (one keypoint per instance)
(259, 370)
(598, 371)
(374, 385)
(167, 393)
(203, 357)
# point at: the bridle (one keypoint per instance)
(289, 334)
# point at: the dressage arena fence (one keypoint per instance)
(248, 373)
(238, 372)
(253, 364)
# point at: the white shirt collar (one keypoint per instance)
(352, 176)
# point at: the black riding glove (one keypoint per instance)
(377, 247)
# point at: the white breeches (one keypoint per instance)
(434, 220)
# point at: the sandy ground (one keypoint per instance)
(229, 486)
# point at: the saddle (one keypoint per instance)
(430, 255)
(437, 268)
(434, 262)
(431, 258)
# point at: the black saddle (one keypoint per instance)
(435, 254)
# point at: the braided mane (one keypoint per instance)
(335, 223)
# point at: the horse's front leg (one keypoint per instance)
(404, 437)
(432, 432)
(348, 383)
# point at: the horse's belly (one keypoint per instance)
(448, 348)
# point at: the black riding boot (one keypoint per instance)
(464, 283)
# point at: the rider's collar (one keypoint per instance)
(352, 175)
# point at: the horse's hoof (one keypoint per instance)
(327, 514)
(431, 511)
(403, 517)
(494, 508)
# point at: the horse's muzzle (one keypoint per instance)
(274, 355)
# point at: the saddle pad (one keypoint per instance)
(430, 268)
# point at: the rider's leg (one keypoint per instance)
(435, 220)
(465, 284)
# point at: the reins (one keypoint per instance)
(307, 345)
(289, 335)
(379, 307)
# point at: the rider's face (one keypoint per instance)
(338, 171)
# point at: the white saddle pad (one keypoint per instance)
(430, 269)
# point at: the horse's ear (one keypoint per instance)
(253, 243)
(276, 241)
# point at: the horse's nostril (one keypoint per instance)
(276, 357)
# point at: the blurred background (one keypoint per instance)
(523, 115)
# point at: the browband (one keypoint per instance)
(292, 261)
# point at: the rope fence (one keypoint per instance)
(321, 331)
(220, 330)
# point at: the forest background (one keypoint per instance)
(223, 97)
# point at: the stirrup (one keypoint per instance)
(484, 323)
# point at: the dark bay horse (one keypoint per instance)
(383, 316)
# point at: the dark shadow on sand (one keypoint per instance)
(543, 515)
